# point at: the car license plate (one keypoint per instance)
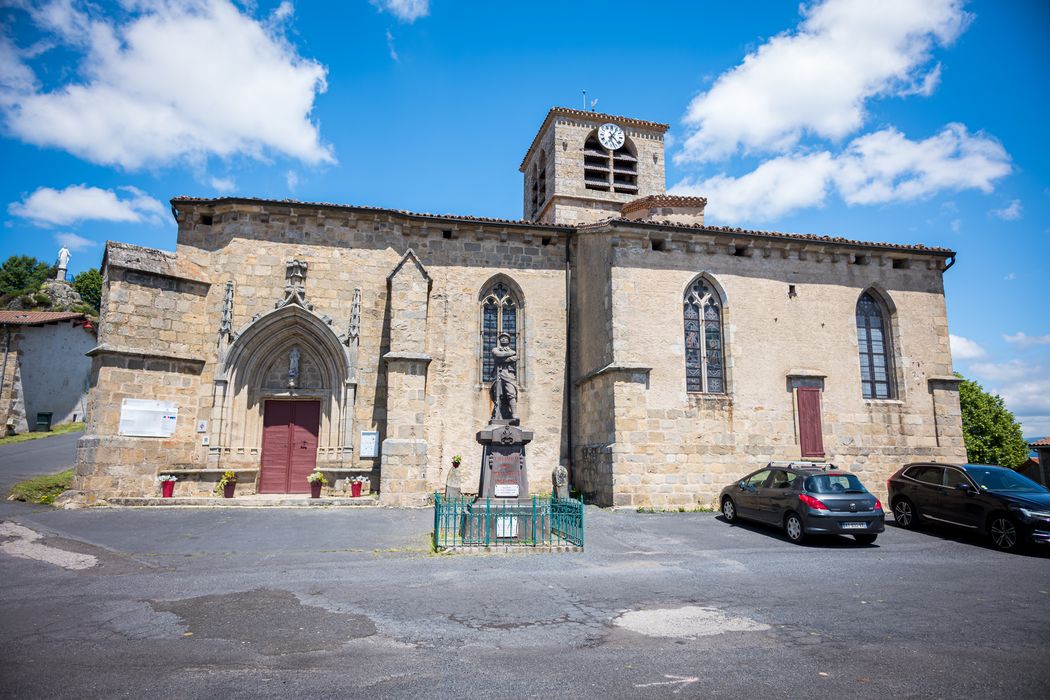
(854, 526)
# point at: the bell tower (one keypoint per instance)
(582, 167)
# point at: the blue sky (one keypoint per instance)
(910, 121)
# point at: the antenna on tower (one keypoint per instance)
(584, 100)
(594, 103)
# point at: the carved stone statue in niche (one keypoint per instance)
(504, 389)
(293, 367)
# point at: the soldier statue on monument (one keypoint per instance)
(504, 389)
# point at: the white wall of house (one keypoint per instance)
(54, 371)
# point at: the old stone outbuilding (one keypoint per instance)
(44, 368)
(659, 357)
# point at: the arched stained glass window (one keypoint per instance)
(499, 314)
(704, 366)
(876, 350)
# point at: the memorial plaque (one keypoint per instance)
(505, 470)
(503, 473)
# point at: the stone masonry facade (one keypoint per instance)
(377, 315)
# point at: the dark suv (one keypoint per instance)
(1010, 508)
(805, 500)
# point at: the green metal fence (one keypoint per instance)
(539, 521)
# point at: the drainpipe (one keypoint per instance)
(568, 353)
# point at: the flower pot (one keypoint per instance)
(315, 489)
(227, 490)
(167, 489)
(355, 489)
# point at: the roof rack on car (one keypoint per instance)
(802, 465)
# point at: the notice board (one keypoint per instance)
(143, 418)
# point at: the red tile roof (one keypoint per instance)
(835, 240)
(454, 218)
(664, 200)
(1041, 442)
(356, 207)
(37, 318)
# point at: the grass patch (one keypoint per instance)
(42, 489)
(57, 430)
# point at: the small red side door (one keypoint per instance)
(810, 435)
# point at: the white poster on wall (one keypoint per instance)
(143, 418)
(369, 443)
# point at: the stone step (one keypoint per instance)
(252, 501)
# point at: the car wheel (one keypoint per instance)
(1004, 533)
(865, 539)
(729, 510)
(905, 514)
(793, 528)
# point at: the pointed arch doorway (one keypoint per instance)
(289, 445)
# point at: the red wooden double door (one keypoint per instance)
(289, 449)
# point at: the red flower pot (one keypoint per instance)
(315, 489)
(355, 489)
(167, 489)
(227, 490)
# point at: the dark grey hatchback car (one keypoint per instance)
(805, 500)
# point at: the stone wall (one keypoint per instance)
(151, 347)
(639, 438)
(676, 449)
(345, 250)
(12, 400)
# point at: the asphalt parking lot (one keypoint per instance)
(352, 602)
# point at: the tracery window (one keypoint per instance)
(876, 355)
(499, 314)
(704, 366)
(606, 170)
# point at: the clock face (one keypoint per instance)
(610, 136)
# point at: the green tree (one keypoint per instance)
(89, 286)
(23, 274)
(990, 431)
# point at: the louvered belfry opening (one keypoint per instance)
(609, 171)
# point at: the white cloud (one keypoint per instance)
(1024, 388)
(886, 166)
(777, 186)
(404, 10)
(1024, 340)
(964, 348)
(1001, 371)
(74, 242)
(876, 168)
(223, 184)
(816, 79)
(956, 225)
(1010, 276)
(291, 178)
(76, 203)
(179, 79)
(390, 46)
(1011, 212)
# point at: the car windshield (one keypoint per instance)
(1000, 479)
(834, 483)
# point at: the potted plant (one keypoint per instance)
(456, 459)
(356, 484)
(227, 484)
(317, 480)
(167, 485)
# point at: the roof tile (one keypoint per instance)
(37, 318)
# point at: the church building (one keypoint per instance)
(658, 357)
